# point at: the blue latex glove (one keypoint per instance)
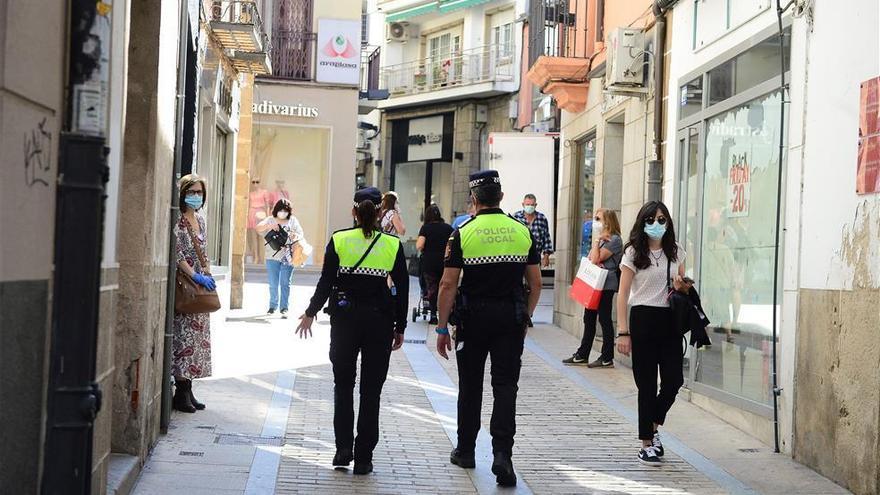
(204, 281)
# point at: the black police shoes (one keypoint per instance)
(463, 459)
(343, 457)
(502, 468)
(363, 467)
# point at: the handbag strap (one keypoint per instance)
(668, 267)
(198, 248)
(370, 248)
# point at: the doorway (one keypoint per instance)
(419, 185)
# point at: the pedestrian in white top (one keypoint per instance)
(279, 264)
(389, 216)
(651, 254)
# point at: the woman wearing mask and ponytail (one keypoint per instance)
(364, 319)
(191, 343)
(652, 265)
(279, 264)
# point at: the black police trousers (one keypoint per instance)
(368, 331)
(488, 329)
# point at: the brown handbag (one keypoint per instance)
(190, 297)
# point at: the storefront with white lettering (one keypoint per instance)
(303, 150)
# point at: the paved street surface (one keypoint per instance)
(268, 427)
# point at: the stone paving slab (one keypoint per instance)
(413, 451)
(568, 441)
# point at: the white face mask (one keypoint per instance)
(282, 214)
(597, 226)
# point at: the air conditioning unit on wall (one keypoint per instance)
(397, 31)
(626, 55)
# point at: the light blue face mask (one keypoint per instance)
(194, 202)
(529, 209)
(655, 230)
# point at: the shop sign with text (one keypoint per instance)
(338, 51)
(266, 107)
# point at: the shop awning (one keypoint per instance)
(447, 6)
(403, 15)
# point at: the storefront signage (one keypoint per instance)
(266, 107)
(739, 179)
(425, 139)
(868, 165)
(338, 51)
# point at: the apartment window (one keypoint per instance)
(444, 58)
(502, 40)
(293, 39)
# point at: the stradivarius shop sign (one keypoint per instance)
(299, 110)
(338, 51)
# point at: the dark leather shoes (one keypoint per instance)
(502, 468)
(463, 459)
(363, 467)
(343, 457)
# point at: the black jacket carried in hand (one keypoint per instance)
(688, 316)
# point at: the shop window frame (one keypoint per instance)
(577, 200)
(699, 121)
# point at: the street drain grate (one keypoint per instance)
(190, 453)
(236, 439)
(750, 451)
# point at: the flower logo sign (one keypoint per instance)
(338, 57)
(339, 47)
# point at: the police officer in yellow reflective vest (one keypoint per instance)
(365, 318)
(494, 251)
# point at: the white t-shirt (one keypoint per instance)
(649, 285)
(294, 233)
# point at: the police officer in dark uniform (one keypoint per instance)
(494, 251)
(364, 318)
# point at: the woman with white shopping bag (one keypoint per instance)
(606, 252)
(650, 259)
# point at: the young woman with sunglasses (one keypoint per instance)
(650, 254)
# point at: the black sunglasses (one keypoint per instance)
(650, 221)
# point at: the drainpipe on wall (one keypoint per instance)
(174, 214)
(655, 166)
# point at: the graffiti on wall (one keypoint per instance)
(37, 155)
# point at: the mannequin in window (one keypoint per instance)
(280, 192)
(259, 207)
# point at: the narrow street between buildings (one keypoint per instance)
(268, 427)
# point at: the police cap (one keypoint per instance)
(484, 178)
(368, 193)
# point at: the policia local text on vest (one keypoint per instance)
(491, 253)
(364, 318)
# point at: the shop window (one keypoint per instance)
(737, 246)
(586, 160)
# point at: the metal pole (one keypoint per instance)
(782, 87)
(73, 397)
(173, 215)
(655, 166)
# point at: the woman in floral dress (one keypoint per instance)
(191, 345)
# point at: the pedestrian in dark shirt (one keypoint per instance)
(431, 242)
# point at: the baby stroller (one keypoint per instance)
(422, 309)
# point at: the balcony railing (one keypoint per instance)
(557, 28)
(292, 54)
(370, 72)
(238, 25)
(490, 63)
